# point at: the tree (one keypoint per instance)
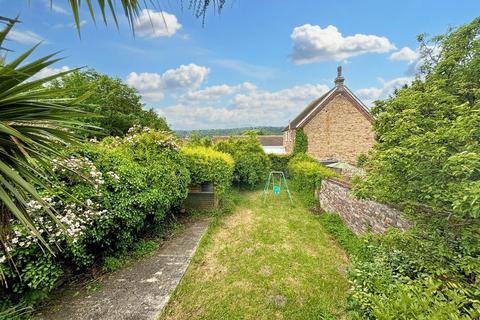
(132, 8)
(117, 107)
(34, 123)
(428, 150)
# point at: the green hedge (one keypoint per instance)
(306, 173)
(251, 162)
(208, 165)
(126, 186)
(279, 161)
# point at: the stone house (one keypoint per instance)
(338, 126)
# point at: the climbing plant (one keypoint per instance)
(301, 142)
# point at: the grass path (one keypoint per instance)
(263, 262)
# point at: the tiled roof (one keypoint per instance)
(318, 104)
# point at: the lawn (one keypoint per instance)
(263, 261)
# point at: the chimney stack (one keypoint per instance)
(339, 79)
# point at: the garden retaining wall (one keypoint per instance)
(359, 215)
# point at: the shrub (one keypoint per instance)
(279, 161)
(426, 161)
(414, 275)
(301, 142)
(362, 159)
(208, 165)
(251, 162)
(105, 195)
(307, 174)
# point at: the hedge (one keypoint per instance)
(307, 174)
(279, 161)
(208, 165)
(251, 162)
(106, 194)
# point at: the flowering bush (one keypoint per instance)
(104, 194)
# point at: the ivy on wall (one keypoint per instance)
(301, 142)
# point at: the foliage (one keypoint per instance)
(417, 274)
(362, 159)
(208, 165)
(132, 8)
(251, 162)
(229, 132)
(196, 140)
(279, 161)
(106, 195)
(355, 246)
(34, 126)
(306, 173)
(427, 161)
(116, 106)
(428, 153)
(301, 142)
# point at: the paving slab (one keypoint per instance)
(139, 291)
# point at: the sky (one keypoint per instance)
(257, 63)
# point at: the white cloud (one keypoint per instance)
(405, 54)
(370, 94)
(153, 86)
(311, 44)
(240, 105)
(214, 93)
(186, 76)
(25, 37)
(154, 24)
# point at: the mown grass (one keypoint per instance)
(263, 261)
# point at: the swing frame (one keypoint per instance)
(271, 177)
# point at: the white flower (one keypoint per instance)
(3, 259)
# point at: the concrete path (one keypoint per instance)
(139, 291)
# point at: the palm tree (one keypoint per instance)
(34, 121)
(131, 8)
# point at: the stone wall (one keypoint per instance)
(339, 131)
(359, 215)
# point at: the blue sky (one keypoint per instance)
(257, 63)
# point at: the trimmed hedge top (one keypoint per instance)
(307, 173)
(208, 165)
(251, 162)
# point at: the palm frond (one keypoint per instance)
(34, 123)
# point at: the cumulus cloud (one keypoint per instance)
(405, 54)
(370, 94)
(311, 44)
(152, 24)
(153, 86)
(25, 37)
(240, 105)
(214, 93)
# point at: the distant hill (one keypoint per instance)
(230, 132)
